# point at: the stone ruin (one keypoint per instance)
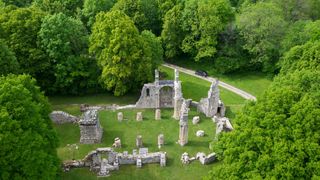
(104, 160)
(90, 129)
(212, 105)
(60, 117)
(183, 133)
(159, 94)
(222, 124)
(186, 159)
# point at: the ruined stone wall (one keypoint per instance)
(60, 117)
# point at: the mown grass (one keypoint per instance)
(127, 130)
(251, 81)
(149, 128)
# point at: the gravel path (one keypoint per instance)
(210, 79)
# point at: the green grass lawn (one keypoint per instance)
(253, 82)
(149, 128)
(127, 130)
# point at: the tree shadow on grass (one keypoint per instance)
(198, 144)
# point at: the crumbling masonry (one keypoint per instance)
(90, 129)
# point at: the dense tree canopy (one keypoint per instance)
(64, 39)
(27, 139)
(120, 51)
(262, 26)
(278, 137)
(202, 20)
(19, 28)
(8, 61)
(144, 13)
(92, 7)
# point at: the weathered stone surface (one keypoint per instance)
(195, 120)
(159, 94)
(139, 116)
(103, 169)
(120, 116)
(103, 166)
(183, 124)
(143, 151)
(160, 140)
(90, 129)
(206, 159)
(139, 162)
(117, 143)
(158, 114)
(178, 98)
(60, 117)
(222, 124)
(83, 107)
(139, 141)
(200, 133)
(185, 158)
(209, 105)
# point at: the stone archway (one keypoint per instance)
(166, 96)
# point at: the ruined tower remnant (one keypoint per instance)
(90, 129)
(159, 94)
(177, 96)
(209, 106)
(183, 133)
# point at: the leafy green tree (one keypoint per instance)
(144, 13)
(27, 139)
(69, 7)
(19, 28)
(230, 55)
(8, 61)
(19, 3)
(155, 45)
(262, 27)
(172, 34)
(115, 41)
(62, 36)
(278, 136)
(64, 39)
(202, 21)
(164, 6)
(92, 7)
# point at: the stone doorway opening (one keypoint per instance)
(166, 96)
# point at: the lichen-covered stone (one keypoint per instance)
(139, 116)
(158, 114)
(120, 116)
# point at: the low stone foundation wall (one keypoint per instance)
(60, 117)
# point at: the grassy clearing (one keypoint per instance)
(127, 130)
(149, 129)
(253, 82)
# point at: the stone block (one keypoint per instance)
(139, 141)
(120, 116)
(195, 120)
(158, 114)
(200, 133)
(139, 116)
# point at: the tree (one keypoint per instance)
(19, 3)
(115, 42)
(69, 7)
(92, 7)
(64, 39)
(8, 62)
(172, 34)
(19, 28)
(278, 136)
(262, 26)
(155, 45)
(144, 13)
(202, 21)
(62, 36)
(27, 139)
